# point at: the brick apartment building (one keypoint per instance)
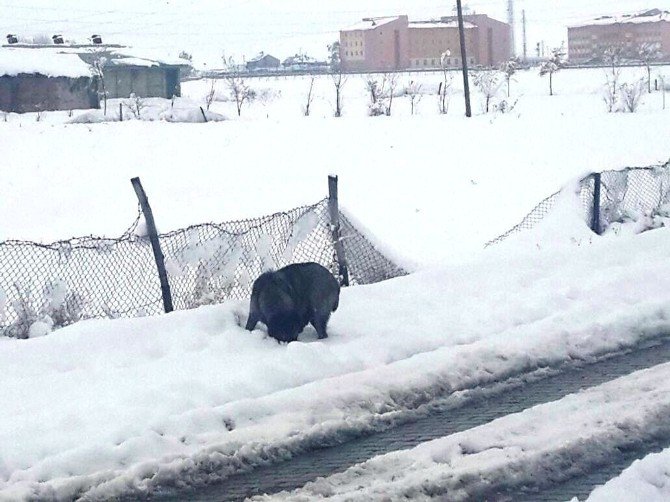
(587, 41)
(395, 43)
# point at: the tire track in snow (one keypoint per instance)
(456, 413)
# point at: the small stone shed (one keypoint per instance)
(127, 72)
(34, 81)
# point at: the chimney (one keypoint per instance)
(96, 39)
(12, 39)
(58, 39)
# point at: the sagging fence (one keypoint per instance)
(57, 284)
(610, 197)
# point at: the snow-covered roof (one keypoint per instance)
(14, 61)
(439, 24)
(647, 16)
(371, 23)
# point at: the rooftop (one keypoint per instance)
(370, 23)
(646, 16)
(14, 61)
(439, 24)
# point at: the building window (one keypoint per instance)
(425, 62)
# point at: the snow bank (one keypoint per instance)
(645, 480)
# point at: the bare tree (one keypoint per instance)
(488, 82)
(413, 91)
(240, 92)
(334, 56)
(444, 89)
(209, 97)
(310, 97)
(98, 65)
(339, 80)
(660, 77)
(555, 63)
(648, 53)
(509, 68)
(631, 95)
(390, 84)
(613, 56)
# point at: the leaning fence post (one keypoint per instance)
(334, 211)
(595, 217)
(155, 244)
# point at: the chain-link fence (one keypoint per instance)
(45, 286)
(609, 197)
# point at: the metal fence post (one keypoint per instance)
(155, 244)
(334, 211)
(595, 217)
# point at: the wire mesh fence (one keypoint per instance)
(46, 286)
(613, 196)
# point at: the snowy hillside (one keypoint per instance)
(110, 407)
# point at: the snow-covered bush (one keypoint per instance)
(631, 94)
(58, 307)
(636, 222)
(488, 82)
(382, 91)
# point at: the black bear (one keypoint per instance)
(287, 299)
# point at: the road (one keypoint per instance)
(480, 406)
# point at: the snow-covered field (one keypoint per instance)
(107, 407)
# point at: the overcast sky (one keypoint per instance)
(242, 28)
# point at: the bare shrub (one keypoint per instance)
(488, 82)
(413, 92)
(339, 80)
(135, 105)
(310, 98)
(631, 95)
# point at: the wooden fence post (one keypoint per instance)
(120, 112)
(155, 244)
(595, 216)
(334, 211)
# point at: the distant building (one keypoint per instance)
(395, 43)
(302, 62)
(588, 40)
(39, 81)
(263, 62)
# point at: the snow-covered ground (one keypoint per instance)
(104, 407)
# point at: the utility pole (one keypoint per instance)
(525, 39)
(512, 24)
(464, 59)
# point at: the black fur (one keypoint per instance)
(286, 300)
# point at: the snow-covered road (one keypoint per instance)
(543, 444)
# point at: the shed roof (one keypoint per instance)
(14, 61)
